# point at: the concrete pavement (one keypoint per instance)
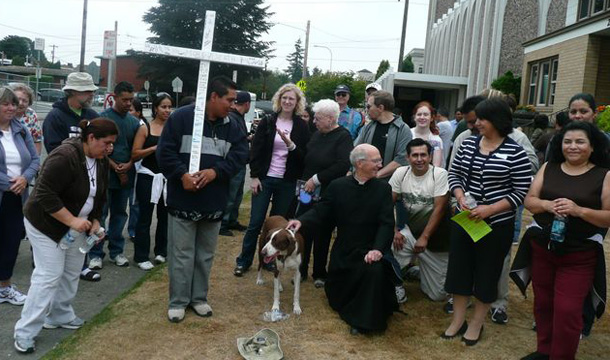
(91, 299)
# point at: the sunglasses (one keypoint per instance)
(341, 94)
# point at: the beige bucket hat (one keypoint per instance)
(80, 81)
(264, 345)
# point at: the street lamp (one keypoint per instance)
(331, 55)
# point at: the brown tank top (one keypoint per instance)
(586, 191)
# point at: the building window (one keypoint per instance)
(587, 8)
(543, 82)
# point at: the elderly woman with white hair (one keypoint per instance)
(276, 163)
(327, 159)
(26, 115)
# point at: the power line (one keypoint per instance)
(42, 34)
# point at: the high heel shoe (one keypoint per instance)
(470, 342)
(461, 331)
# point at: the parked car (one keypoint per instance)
(144, 99)
(51, 95)
(98, 99)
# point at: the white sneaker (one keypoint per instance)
(76, 323)
(95, 264)
(24, 346)
(120, 260)
(401, 294)
(11, 295)
(202, 309)
(175, 315)
(146, 265)
(160, 259)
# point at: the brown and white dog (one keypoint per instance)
(278, 243)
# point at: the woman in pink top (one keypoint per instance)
(276, 162)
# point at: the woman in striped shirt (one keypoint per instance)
(495, 170)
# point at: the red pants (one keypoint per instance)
(561, 284)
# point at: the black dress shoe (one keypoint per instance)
(461, 331)
(239, 270)
(470, 342)
(536, 356)
(225, 232)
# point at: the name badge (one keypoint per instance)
(501, 156)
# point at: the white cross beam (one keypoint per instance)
(205, 55)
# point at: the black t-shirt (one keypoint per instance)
(380, 137)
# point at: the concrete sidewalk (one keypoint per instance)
(92, 297)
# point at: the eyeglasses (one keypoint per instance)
(341, 94)
(375, 161)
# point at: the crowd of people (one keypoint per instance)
(387, 184)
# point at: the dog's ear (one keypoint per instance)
(291, 244)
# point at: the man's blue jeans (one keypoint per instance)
(117, 205)
(283, 192)
(236, 193)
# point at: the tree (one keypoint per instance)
(272, 81)
(407, 65)
(384, 65)
(14, 45)
(239, 26)
(508, 84)
(322, 86)
(18, 61)
(295, 63)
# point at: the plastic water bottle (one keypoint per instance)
(558, 229)
(90, 240)
(471, 202)
(68, 239)
(275, 315)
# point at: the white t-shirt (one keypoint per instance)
(92, 174)
(418, 192)
(11, 154)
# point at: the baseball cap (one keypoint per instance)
(375, 86)
(242, 97)
(342, 88)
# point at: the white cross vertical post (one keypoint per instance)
(205, 55)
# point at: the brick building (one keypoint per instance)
(126, 70)
(555, 45)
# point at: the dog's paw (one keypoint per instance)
(297, 310)
(259, 282)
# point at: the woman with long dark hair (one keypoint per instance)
(150, 185)
(570, 200)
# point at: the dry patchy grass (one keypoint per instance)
(135, 327)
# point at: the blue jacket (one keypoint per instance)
(30, 161)
(62, 123)
(225, 149)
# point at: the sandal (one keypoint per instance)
(90, 275)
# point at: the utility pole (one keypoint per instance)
(264, 92)
(402, 36)
(112, 62)
(306, 51)
(83, 37)
(53, 53)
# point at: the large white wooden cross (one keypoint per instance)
(205, 55)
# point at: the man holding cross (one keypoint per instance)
(196, 200)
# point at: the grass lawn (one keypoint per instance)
(135, 326)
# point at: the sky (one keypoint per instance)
(359, 33)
